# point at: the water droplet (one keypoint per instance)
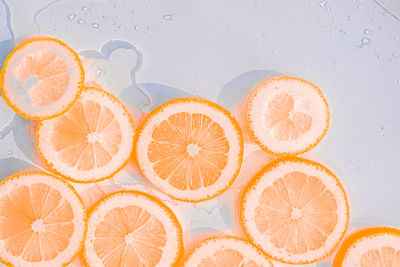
(84, 8)
(379, 57)
(323, 4)
(167, 17)
(9, 152)
(349, 18)
(391, 60)
(95, 25)
(368, 32)
(385, 13)
(81, 21)
(364, 42)
(120, 26)
(136, 27)
(395, 54)
(71, 16)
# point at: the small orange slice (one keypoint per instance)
(296, 210)
(41, 78)
(42, 220)
(370, 247)
(190, 148)
(91, 141)
(132, 229)
(287, 115)
(227, 251)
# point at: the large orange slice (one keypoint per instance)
(370, 247)
(91, 141)
(41, 78)
(287, 115)
(132, 229)
(227, 251)
(296, 210)
(42, 221)
(190, 148)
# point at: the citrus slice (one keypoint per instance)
(287, 115)
(131, 228)
(190, 148)
(41, 78)
(91, 141)
(296, 210)
(226, 251)
(370, 247)
(42, 220)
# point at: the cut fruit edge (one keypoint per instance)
(70, 187)
(255, 180)
(148, 197)
(50, 165)
(21, 46)
(359, 235)
(208, 103)
(253, 137)
(227, 239)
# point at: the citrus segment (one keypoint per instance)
(190, 148)
(295, 210)
(41, 78)
(91, 141)
(287, 115)
(132, 229)
(370, 247)
(42, 220)
(226, 251)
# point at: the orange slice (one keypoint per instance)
(41, 78)
(132, 228)
(370, 247)
(226, 251)
(91, 141)
(190, 148)
(42, 220)
(296, 210)
(287, 115)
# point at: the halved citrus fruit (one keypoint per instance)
(287, 115)
(296, 210)
(91, 141)
(226, 251)
(131, 228)
(190, 148)
(41, 78)
(370, 247)
(42, 220)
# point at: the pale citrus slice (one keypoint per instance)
(41, 78)
(42, 220)
(91, 141)
(287, 115)
(131, 228)
(370, 247)
(190, 148)
(296, 210)
(226, 251)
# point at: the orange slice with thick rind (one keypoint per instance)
(42, 221)
(287, 115)
(370, 247)
(41, 78)
(190, 148)
(92, 141)
(131, 228)
(226, 251)
(296, 210)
